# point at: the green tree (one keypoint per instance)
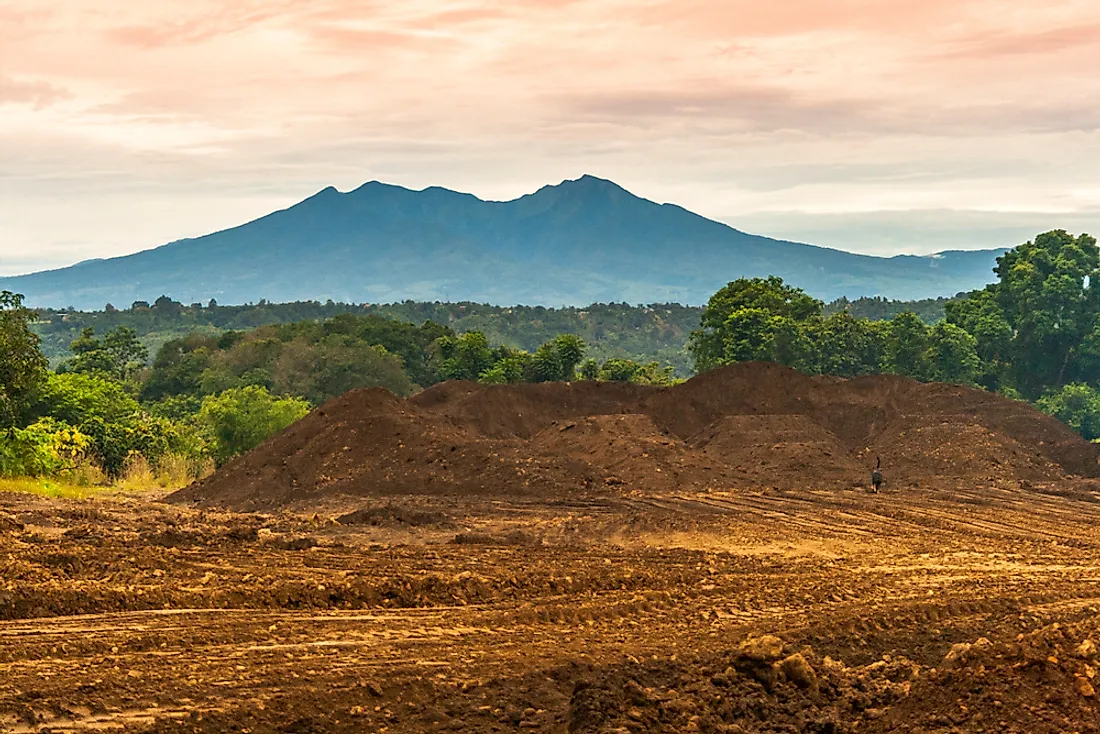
(952, 355)
(119, 354)
(753, 319)
(1077, 405)
(22, 366)
(570, 349)
(545, 364)
(179, 366)
(321, 371)
(465, 357)
(590, 370)
(981, 316)
(652, 373)
(753, 334)
(508, 370)
(241, 419)
(77, 398)
(906, 346)
(846, 346)
(101, 409)
(618, 369)
(1047, 290)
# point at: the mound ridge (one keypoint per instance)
(746, 426)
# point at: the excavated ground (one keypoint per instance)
(749, 426)
(921, 611)
(580, 559)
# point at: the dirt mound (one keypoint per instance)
(521, 411)
(933, 449)
(784, 451)
(749, 425)
(631, 452)
(370, 443)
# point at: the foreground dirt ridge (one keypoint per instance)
(739, 612)
(748, 426)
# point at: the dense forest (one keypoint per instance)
(223, 378)
(644, 333)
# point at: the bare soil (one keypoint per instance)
(748, 426)
(531, 570)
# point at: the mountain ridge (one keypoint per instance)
(580, 241)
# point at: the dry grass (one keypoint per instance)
(86, 478)
(171, 472)
(46, 487)
(86, 473)
(137, 474)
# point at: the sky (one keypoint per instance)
(874, 126)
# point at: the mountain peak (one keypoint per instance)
(590, 183)
(580, 241)
(586, 191)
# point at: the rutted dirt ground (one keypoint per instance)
(581, 558)
(736, 611)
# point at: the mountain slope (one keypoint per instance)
(578, 242)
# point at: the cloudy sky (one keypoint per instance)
(870, 125)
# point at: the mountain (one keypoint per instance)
(575, 243)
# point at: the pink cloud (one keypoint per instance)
(36, 93)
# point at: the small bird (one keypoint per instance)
(876, 475)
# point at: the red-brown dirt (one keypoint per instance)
(746, 426)
(689, 611)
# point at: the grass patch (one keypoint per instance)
(46, 487)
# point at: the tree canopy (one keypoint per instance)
(22, 366)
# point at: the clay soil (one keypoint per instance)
(511, 559)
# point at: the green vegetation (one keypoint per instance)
(1033, 334)
(929, 310)
(766, 320)
(653, 333)
(104, 417)
(241, 418)
(1078, 406)
(22, 366)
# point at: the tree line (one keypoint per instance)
(1033, 334)
(642, 333)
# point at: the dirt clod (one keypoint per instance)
(798, 671)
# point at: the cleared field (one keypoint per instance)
(627, 615)
(531, 570)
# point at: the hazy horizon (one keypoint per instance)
(861, 126)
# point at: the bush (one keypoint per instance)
(239, 420)
(45, 448)
(1076, 405)
(78, 398)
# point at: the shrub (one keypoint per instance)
(45, 448)
(240, 419)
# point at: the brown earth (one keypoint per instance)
(531, 570)
(746, 426)
(742, 611)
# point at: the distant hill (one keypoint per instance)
(576, 243)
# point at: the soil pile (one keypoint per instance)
(745, 426)
(369, 442)
(780, 451)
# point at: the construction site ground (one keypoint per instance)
(586, 557)
(916, 609)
